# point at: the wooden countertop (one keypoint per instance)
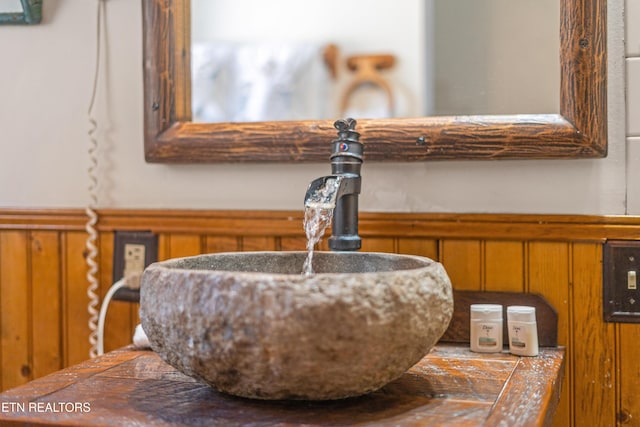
(449, 386)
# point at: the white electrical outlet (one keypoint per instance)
(134, 255)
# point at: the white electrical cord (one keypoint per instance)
(92, 249)
(131, 281)
(103, 313)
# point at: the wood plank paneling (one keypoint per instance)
(75, 300)
(259, 243)
(504, 266)
(378, 244)
(324, 244)
(549, 266)
(629, 374)
(288, 223)
(183, 245)
(416, 246)
(15, 308)
(463, 261)
(43, 285)
(593, 342)
(293, 244)
(221, 244)
(46, 301)
(164, 247)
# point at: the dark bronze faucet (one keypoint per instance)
(346, 161)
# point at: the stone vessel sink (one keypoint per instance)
(250, 324)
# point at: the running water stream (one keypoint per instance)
(318, 211)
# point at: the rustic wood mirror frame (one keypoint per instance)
(579, 131)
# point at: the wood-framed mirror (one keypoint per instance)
(578, 131)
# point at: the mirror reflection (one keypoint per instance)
(291, 60)
(10, 6)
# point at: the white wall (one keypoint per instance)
(632, 75)
(45, 87)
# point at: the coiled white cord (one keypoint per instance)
(92, 248)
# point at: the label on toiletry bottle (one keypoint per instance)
(518, 335)
(486, 328)
(487, 334)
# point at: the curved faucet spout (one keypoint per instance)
(324, 192)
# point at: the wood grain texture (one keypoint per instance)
(549, 265)
(182, 245)
(593, 342)
(528, 379)
(559, 257)
(75, 315)
(15, 309)
(46, 302)
(583, 68)
(416, 246)
(579, 131)
(629, 375)
(450, 386)
(379, 244)
(463, 262)
(215, 244)
(259, 243)
(293, 244)
(504, 266)
(372, 224)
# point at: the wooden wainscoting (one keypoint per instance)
(43, 285)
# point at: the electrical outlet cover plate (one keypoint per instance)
(125, 242)
(621, 268)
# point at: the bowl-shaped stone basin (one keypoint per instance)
(250, 324)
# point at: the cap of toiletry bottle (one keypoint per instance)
(486, 328)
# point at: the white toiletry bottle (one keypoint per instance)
(486, 328)
(523, 330)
